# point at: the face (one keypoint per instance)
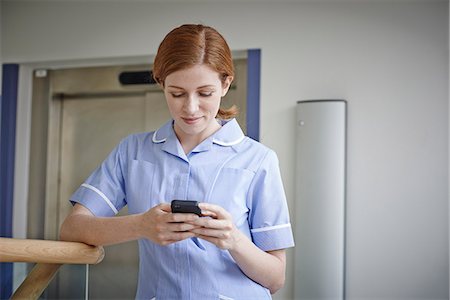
(193, 96)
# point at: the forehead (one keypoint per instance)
(195, 76)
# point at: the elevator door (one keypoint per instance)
(89, 113)
(90, 129)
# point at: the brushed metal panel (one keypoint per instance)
(320, 199)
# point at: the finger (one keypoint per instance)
(164, 207)
(176, 237)
(212, 233)
(180, 227)
(213, 223)
(218, 211)
(207, 213)
(182, 217)
(179, 236)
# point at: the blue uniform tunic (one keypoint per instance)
(227, 169)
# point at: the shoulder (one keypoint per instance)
(136, 141)
(137, 138)
(255, 147)
(255, 154)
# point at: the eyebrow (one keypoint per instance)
(200, 87)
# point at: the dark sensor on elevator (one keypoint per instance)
(136, 77)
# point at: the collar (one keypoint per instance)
(161, 135)
(229, 134)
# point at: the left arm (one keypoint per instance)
(266, 268)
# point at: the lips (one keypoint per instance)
(191, 120)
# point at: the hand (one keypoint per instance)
(163, 227)
(217, 227)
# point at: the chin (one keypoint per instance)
(192, 129)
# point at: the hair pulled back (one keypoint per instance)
(190, 45)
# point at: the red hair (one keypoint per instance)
(190, 45)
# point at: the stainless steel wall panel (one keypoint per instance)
(320, 200)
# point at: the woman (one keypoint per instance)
(235, 250)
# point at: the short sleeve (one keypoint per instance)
(270, 226)
(103, 192)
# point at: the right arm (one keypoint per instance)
(157, 224)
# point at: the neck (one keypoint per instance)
(190, 141)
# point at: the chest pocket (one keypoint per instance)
(138, 187)
(230, 191)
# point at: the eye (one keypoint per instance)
(206, 94)
(177, 95)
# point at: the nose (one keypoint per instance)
(191, 104)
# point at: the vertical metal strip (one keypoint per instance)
(8, 107)
(253, 92)
(86, 284)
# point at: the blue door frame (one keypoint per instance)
(8, 108)
(253, 92)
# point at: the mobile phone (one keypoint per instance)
(186, 206)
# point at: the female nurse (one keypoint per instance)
(237, 249)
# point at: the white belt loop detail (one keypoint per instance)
(93, 188)
(268, 228)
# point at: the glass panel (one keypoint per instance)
(116, 277)
(20, 272)
(69, 282)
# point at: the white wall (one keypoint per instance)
(389, 59)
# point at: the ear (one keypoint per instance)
(226, 85)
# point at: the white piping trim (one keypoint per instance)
(155, 140)
(271, 227)
(101, 195)
(222, 297)
(229, 143)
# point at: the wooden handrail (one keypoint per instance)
(49, 255)
(54, 252)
